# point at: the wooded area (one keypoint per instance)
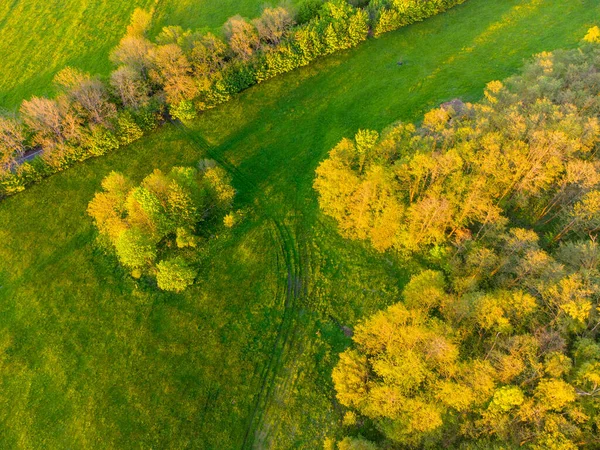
(496, 344)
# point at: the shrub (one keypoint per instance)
(183, 111)
(128, 130)
(102, 141)
(174, 275)
(135, 249)
(308, 10)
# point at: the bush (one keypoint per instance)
(101, 141)
(148, 118)
(174, 275)
(282, 59)
(128, 130)
(135, 249)
(183, 111)
(11, 183)
(308, 10)
(185, 238)
(217, 94)
(239, 76)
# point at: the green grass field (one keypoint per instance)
(37, 39)
(92, 359)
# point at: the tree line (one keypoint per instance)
(495, 342)
(179, 74)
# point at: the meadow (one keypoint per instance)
(38, 39)
(94, 359)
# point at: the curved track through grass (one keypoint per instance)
(293, 288)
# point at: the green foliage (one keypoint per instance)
(128, 130)
(135, 249)
(11, 184)
(355, 444)
(147, 118)
(308, 10)
(185, 238)
(391, 15)
(102, 141)
(183, 111)
(174, 274)
(238, 77)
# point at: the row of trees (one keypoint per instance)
(154, 228)
(181, 72)
(496, 345)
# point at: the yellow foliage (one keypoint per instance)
(436, 119)
(424, 417)
(493, 88)
(386, 225)
(557, 364)
(578, 310)
(350, 419)
(350, 378)
(455, 395)
(404, 369)
(365, 141)
(490, 315)
(479, 377)
(545, 61)
(328, 444)
(396, 328)
(185, 238)
(385, 401)
(593, 35)
(589, 375)
(554, 394)
(507, 398)
(229, 220)
(220, 181)
(355, 444)
(425, 290)
(157, 183)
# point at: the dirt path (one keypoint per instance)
(290, 259)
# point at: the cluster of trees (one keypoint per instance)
(82, 121)
(496, 345)
(527, 153)
(501, 349)
(153, 228)
(182, 72)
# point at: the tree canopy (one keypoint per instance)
(495, 343)
(526, 153)
(150, 226)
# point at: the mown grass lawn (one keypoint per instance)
(92, 359)
(39, 38)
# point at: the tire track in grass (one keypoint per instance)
(289, 249)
